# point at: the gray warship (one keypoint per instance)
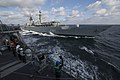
(89, 30)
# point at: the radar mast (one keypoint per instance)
(31, 20)
(40, 14)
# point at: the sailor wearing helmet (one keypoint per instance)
(22, 55)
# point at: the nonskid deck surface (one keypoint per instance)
(7, 57)
(9, 63)
(28, 73)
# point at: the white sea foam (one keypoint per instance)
(26, 32)
(87, 50)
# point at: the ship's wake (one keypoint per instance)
(50, 34)
(108, 46)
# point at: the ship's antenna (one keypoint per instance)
(40, 16)
(31, 19)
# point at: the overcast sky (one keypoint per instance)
(66, 11)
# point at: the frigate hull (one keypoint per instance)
(70, 30)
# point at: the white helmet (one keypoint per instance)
(21, 49)
(18, 45)
(28, 51)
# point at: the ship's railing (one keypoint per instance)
(6, 28)
(39, 65)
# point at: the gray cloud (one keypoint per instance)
(94, 6)
(104, 11)
(58, 11)
(102, 20)
(111, 2)
(22, 10)
(6, 13)
(21, 3)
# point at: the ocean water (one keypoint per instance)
(88, 58)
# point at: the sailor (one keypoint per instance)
(61, 62)
(22, 55)
(16, 40)
(18, 49)
(0, 53)
(35, 63)
(57, 70)
(7, 43)
(58, 67)
(13, 47)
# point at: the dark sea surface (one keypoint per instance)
(94, 58)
